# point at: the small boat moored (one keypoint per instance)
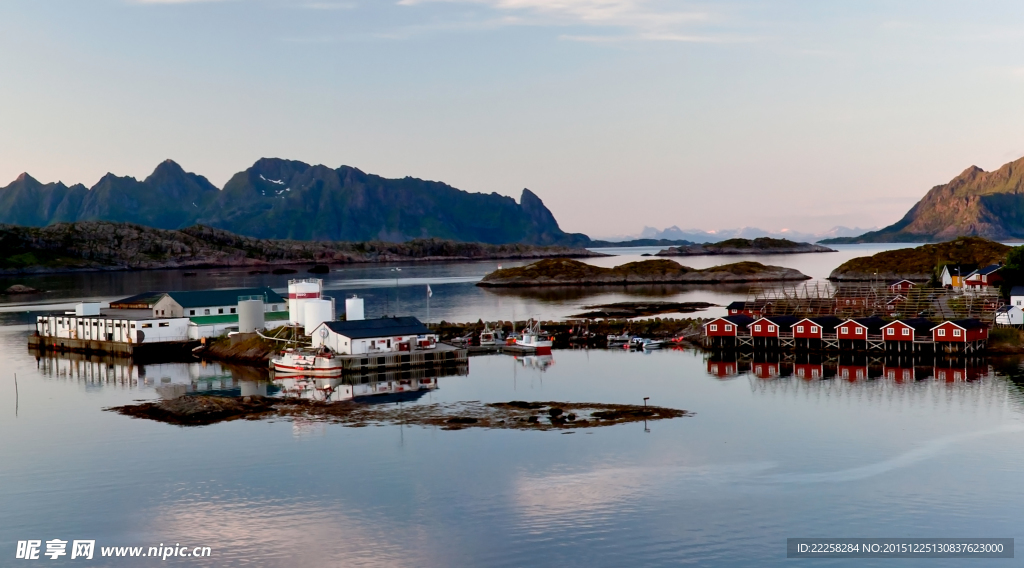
(307, 362)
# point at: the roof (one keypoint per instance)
(383, 327)
(895, 282)
(207, 298)
(1017, 291)
(233, 318)
(964, 324)
(919, 325)
(740, 320)
(1006, 308)
(737, 306)
(874, 324)
(986, 270)
(959, 269)
(784, 322)
(826, 322)
(145, 298)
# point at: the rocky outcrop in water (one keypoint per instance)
(920, 264)
(566, 272)
(124, 246)
(762, 245)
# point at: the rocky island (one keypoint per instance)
(763, 245)
(100, 245)
(920, 264)
(567, 272)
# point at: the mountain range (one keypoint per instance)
(286, 199)
(682, 236)
(974, 203)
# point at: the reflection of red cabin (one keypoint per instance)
(809, 372)
(722, 369)
(960, 331)
(900, 286)
(766, 370)
(727, 326)
(853, 372)
(899, 374)
(955, 375)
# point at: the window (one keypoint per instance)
(165, 324)
(757, 328)
(220, 310)
(191, 312)
(273, 308)
(232, 310)
(814, 329)
(844, 330)
(860, 331)
(892, 331)
(162, 312)
(940, 332)
(906, 331)
(771, 329)
(799, 329)
(206, 312)
(713, 327)
(728, 327)
(147, 325)
(956, 333)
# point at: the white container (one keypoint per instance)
(354, 309)
(299, 291)
(317, 312)
(87, 309)
(250, 316)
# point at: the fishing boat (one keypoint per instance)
(535, 338)
(490, 337)
(307, 362)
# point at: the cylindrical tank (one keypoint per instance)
(354, 308)
(299, 291)
(250, 315)
(317, 312)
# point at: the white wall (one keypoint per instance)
(347, 346)
(112, 329)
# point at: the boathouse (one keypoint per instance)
(723, 330)
(774, 330)
(903, 334)
(813, 331)
(1010, 315)
(967, 335)
(374, 336)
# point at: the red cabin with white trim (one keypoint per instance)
(900, 286)
(772, 326)
(815, 328)
(728, 326)
(960, 331)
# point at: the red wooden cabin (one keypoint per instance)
(772, 326)
(960, 331)
(900, 286)
(815, 328)
(859, 329)
(728, 326)
(908, 330)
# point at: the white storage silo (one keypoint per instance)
(300, 291)
(354, 308)
(250, 314)
(317, 312)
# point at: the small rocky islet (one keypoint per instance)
(202, 410)
(569, 272)
(762, 245)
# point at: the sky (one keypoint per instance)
(619, 114)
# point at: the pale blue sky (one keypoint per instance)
(618, 113)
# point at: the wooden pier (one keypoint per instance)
(163, 348)
(442, 354)
(831, 342)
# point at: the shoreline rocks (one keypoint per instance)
(20, 289)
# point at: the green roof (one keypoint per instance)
(207, 298)
(233, 318)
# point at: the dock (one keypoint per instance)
(441, 355)
(62, 344)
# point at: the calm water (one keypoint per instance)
(762, 459)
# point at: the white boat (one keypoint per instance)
(535, 338)
(624, 338)
(490, 337)
(307, 362)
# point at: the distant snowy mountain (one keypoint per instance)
(699, 236)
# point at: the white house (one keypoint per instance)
(213, 302)
(1009, 315)
(384, 335)
(121, 326)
